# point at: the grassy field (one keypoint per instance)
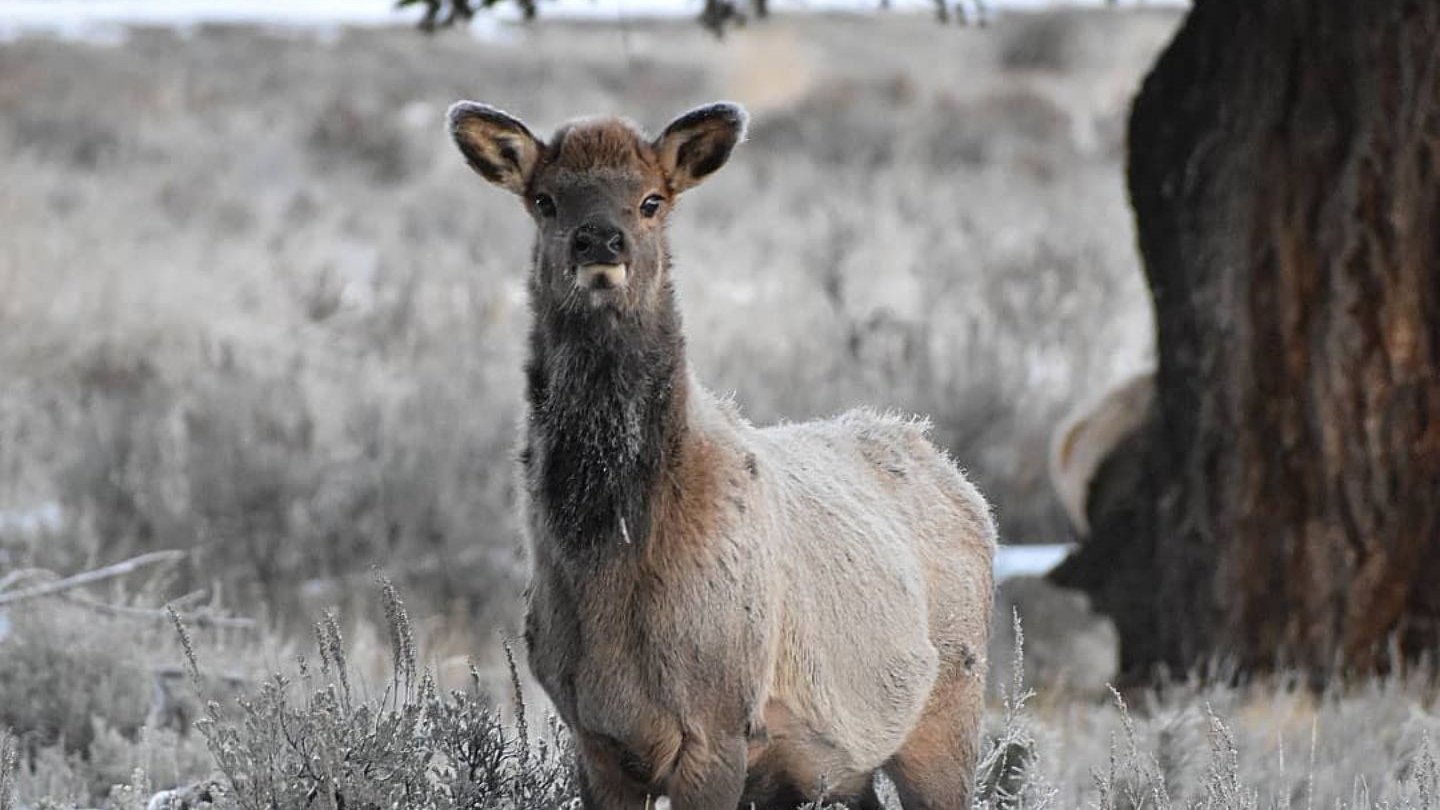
(307, 735)
(253, 306)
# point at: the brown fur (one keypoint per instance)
(602, 144)
(802, 605)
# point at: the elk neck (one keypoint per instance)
(607, 400)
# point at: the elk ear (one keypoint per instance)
(699, 142)
(495, 144)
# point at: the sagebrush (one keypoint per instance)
(318, 741)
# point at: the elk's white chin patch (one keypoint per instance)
(602, 276)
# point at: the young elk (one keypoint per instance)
(722, 614)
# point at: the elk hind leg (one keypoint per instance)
(935, 768)
(865, 799)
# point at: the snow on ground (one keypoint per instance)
(1029, 561)
(40, 518)
(104, 20)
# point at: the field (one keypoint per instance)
(254, 307)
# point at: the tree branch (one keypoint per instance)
(119, 569)
(201, 617)
(9, 580)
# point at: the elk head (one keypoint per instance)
(599, 192)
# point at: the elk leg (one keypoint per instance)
(792, 799)
(602, 786)
(864, 798)
(709, 777)
(935, 769)
(773, 796)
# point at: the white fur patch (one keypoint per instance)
(602, 276)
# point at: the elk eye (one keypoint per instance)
(545, 204)
(651, 206)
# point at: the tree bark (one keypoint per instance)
(1285, 503)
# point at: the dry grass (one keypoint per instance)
(85, 695)
(327, 732)
(1271, 743)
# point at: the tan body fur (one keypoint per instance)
(722, 615)
(832, 607)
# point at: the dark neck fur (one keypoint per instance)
(607, 402)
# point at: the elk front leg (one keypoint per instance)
(604, 785)
(710, 774)
(600, 792)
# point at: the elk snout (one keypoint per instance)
(599, 256)
(597, 243)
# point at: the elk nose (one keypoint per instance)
(596, 243)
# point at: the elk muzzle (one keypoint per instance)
(601, 276)
(597, 243)
(600, 255)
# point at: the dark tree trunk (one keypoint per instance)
(1284, 507)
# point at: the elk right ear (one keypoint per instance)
(699, 142)
(495, 144)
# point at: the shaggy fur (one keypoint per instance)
(723, 614)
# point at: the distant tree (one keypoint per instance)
(1283, 503)
(715, 15)
(447, 13)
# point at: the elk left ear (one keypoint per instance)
(699, 142)
(495, 144)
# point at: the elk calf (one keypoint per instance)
(722, 614)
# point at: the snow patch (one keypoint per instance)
(1029, 561)
(41, 518)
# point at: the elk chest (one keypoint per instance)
(637, 645)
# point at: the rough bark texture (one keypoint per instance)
(1285, 500)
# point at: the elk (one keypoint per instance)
(722, 614)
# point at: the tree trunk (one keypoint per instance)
(1284, 501)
